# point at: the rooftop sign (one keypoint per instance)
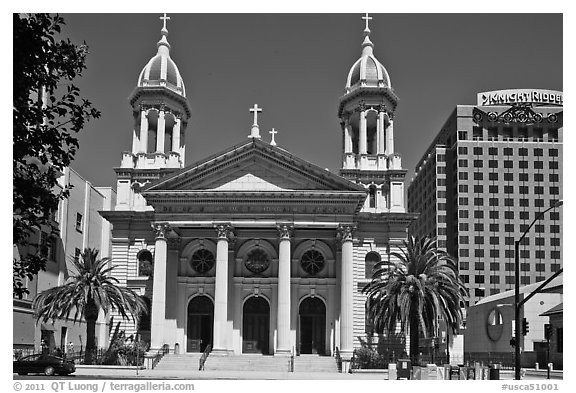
(520, 96)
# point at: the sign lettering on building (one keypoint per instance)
(520, 96)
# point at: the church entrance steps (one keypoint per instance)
(188, 361)
(315, 363)
(248, 362)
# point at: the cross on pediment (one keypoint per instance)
(273, 132)
(255, 132)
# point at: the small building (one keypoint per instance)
(490, 326)
(556, 344)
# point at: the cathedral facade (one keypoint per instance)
(254, 250)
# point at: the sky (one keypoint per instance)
(295, 67)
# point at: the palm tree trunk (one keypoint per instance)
(414, 339)
(91, 316)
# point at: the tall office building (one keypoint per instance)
(488, 174)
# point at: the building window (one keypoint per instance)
(478, 279)
(463, 163)
(479, 292)
(524, 215)
(44, 244)
(372, 197)
(509, 241)
(525, 280)
(494, 266)
(463, 226)
(508, 176)
(540, 190)
(494, 240)
(478, 188)
(522, 134)
(538, 134)
(257, 261)
(555, 241)
(540, 254)
(524, 202)
(478, 239)
(509, 267)
(478, 213)
(79, 222)
(553, 177)
(479, 253)
(538, 228)
(538, 152)
(477, 133)
(492, 134)
(462, 150)
(509, 279)
(509, 227)
(462, 175)
(493, 151)
(523, 190)
(462, 135)
(492, 164)
(53, 248)
(479, 227)
(524, 253)
(465, 278)
(463, 188)
(477, 151)
(539, 241)
(493, 201)
(508, 151)
(312, 262)
(523, 152)
(509, 254)
(539, 202)
(463, 201)
(538, 165)
(493, 176)
(202, 261)
(478, 163)
(508, 202)
(509, 189)
(553, 152)
(555, 228)
(507, 134)
(464, 252)
(463, 239)
(478, 176)
(523, 164)
(523, 177)
(478, 202)
(540, 267)
(554, 267)
(553, 135)
(553, 165)
(554, 190)
(463, 213)
(555, 254)
(494, 214)
(370, 262)
(493, 189)
(538, 177)
(464, 266)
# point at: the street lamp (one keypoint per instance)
(517, 304)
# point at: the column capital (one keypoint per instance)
(224, 231)
(382, 108)
(344, 232)
(362, 107)
(160, 229)
(285, 231)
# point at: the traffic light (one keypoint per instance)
(525, 326)
(547, 331)
(513, 342)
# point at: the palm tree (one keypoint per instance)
(92, 289)
(414, 290)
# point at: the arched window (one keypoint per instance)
(202, 261)
(145, 263)
(312, 262)
(372, 258)
(372, 196)
(144, 320)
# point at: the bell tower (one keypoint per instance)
(366, 113)
(161, 113)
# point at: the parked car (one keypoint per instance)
(43, 364)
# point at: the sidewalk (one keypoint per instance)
(130, 373)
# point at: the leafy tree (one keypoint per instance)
(48, 112)
(87, 293)
(414, 291)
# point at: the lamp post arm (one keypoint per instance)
(537, 290)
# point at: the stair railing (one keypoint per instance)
(161, 352)
(204, 356)
(338, 360)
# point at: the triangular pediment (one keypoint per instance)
(254, 166)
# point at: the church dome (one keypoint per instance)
(367, 70)
(161, 69)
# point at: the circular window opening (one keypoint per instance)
(494, 325)
(202, 261)
(312, 262)
(257, 261)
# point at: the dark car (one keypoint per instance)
(43, 364)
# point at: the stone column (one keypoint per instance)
(346, 291)
(176, 135)
(363, 133)
(159, 286)
(135, 137)
(160, 131)
(283, 321)
(390, 138)
(144, 131)
(224, 233)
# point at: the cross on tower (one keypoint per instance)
(367, 18)
(273, 132)
(255, 132)
(164, 18)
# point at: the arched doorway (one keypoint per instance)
(312, 313)
(200, 324)
(256, 326)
